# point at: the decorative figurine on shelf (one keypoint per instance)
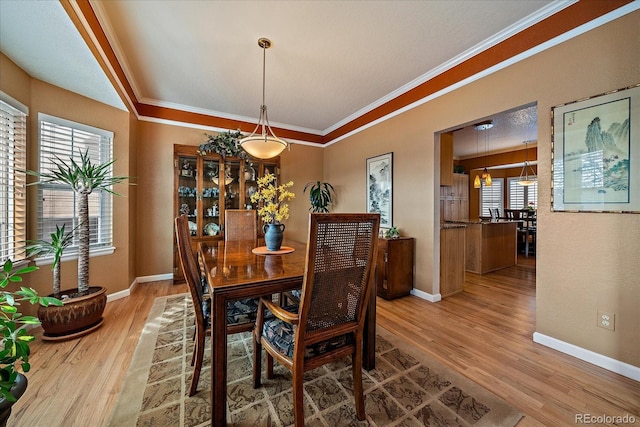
(187, 170)
(184, 209)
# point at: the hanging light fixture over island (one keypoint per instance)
(264, 144)
(486, 176)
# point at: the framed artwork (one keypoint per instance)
(380, 188)
(595, 146)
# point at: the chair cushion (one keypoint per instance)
(238, 312)
(282, 335)
(242, 311)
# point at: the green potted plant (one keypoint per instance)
(14, 339)
(83, 307)
(320, 195)
(56, 246)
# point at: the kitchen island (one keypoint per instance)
(490, 245)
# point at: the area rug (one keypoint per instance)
(407, 388)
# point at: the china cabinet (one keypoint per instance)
(206, 185)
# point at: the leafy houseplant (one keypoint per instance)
(273, 209)
(59, 242)
(224, 144)
(83, 178)
(320, 195)
(82, 312)
(14, 339)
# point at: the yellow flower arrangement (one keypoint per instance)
(274, 208)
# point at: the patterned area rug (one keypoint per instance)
(407, 388)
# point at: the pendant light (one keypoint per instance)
(485, 178)
(264, 144)
(526, 179)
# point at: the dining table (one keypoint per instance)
(245, 269)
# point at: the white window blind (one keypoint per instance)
(520, 196)
(491, 197)
(58, 204)
(13, 212)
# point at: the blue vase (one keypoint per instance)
(273, 236)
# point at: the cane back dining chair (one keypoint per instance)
(240, 314)
(329, 321)
(240, 224)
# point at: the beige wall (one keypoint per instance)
(115, 272)
(585, 261)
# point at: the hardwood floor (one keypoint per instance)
(484, 332)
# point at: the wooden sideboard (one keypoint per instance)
(490, 246)
(394, 276)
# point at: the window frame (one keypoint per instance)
(104, 148)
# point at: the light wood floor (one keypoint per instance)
(485, 333)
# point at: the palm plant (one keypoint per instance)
(56, 246)
(83, 178)
(320, 195)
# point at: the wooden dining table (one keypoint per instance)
(235, 272)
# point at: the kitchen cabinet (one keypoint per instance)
(394, 263)
(452, 259)
(454, 200)
(207, 185)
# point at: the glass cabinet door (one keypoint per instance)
(251, 171)
(187, 197)
(233, 197)
(211, 197)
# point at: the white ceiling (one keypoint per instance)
(330, 61)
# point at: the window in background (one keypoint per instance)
(521, 196)
(58, 205)
(13, 215)
(492, 197)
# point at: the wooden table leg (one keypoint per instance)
(369, 335)
(218, 362)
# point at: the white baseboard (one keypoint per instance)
(426, 296)
(154, 278)
(127, 292)
(597, 359)
(118, 295)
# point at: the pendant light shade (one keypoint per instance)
(485, 178)
(526, 179)
(263, 143)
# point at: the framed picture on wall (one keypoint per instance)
(380, 188)
(596, 153)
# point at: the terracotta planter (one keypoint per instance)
(76, 317)
(18, 389)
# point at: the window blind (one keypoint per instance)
(62, 139)
(520, 196)
(491, 197)
(13, 212)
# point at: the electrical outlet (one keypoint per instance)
(607, 320)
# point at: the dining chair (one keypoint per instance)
(495, 213)
(240, 224)
(240, 314)
(329, 321)
(528, 232)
